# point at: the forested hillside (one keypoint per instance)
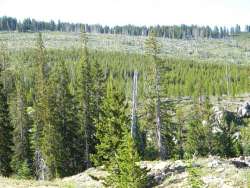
(63, 111)
(175, 31)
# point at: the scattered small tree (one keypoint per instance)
(24, 171)
(194, 177)
(124, 169)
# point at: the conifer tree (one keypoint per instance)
(42, 125)
(124, 169)
(153, 49)
(85, 100)
(99, 89)
(227, 143)
(112, 122)
(198, 132)
(6, 129)
(49, 149)
(180, 132)
(21, 136)
(64, 122)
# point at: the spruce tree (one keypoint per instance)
(23, 171)
(64, 122)
(180, 132)
(85, 101)
(6, 128)
(198, 131)
(99, 89)
(22, 124)
(124, 169)
(42, 126)
(226, 141)
(110, 125)
(153, 49)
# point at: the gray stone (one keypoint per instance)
(241, 162)
(214, 163)
(244, 110)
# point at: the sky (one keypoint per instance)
(136, 12)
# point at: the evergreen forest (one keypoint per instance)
(63, 111)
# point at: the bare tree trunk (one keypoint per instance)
(134, 106)
(162, 150)
(41, 169)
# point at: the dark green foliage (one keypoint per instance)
(197, 139)
(23, 172)
(6, 129)
(22, 124)
(112, 123)
(124, 170)
(62, 111)
(227, 143)
(208, 136)
(42, 128)
(180, 133)
(153, 49)
(86, 102)
(198, 131)
(168, 130)
(98, 89)
(40, 98)
(5, 134)
(64, 125)
(179, 32)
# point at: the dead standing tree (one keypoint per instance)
(134, 107)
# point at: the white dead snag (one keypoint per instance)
(41, 169)
(134, 106)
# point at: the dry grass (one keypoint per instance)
(14, 183)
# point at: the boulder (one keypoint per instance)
(241, 162)
(244, 110)
(93, 177)
(160, 170)
(214, 161)
(157, 171)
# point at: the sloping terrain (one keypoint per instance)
(214, 173)
(229, 50)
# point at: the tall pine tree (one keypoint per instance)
(22, 124)
(42, 125)
(153, 49)
(85, 92)
(63, 105)
(5, 125)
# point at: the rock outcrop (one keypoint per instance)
(241, 162)
(244, 110)
(160, 170)
(93, 177)
(216, 172)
